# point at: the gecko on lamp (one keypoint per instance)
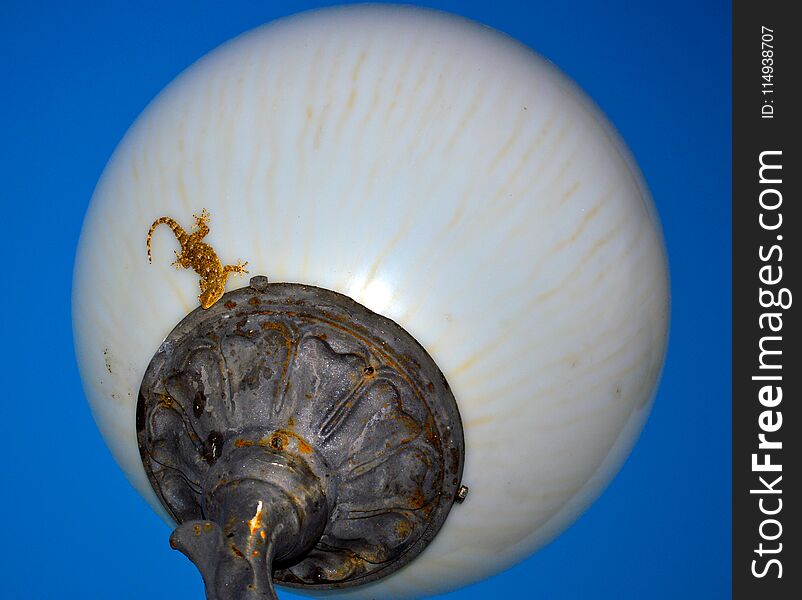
(200, 257)
(372, 155)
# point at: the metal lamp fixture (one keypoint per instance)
(472, 333)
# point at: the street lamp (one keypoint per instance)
(472, 337)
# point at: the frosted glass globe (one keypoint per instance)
(442, 175)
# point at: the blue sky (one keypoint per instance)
(74, 78)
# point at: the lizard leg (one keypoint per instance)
(238, 268)
(201, 221)
(180, 261)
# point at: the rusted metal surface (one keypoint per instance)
(293, 415)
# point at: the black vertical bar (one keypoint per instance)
(767, 226)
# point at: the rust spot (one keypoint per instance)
(207, 526)
(291, 422)
(417, 499)
(430, 432)
(303, 447)
(236, 551)
(197, 530)
(230, 304)
(454, 459)
(240, 443)
(281, 439)
(347, 567)
(255, 553)
(430, 387)
(254, 301)
(410, 424)
(255, 524)
(403, 528)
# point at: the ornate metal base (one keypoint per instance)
(292, 432)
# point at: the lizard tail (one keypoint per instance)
(178, 231)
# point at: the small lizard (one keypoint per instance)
(200, 257)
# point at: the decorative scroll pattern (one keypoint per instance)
(369, 406)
